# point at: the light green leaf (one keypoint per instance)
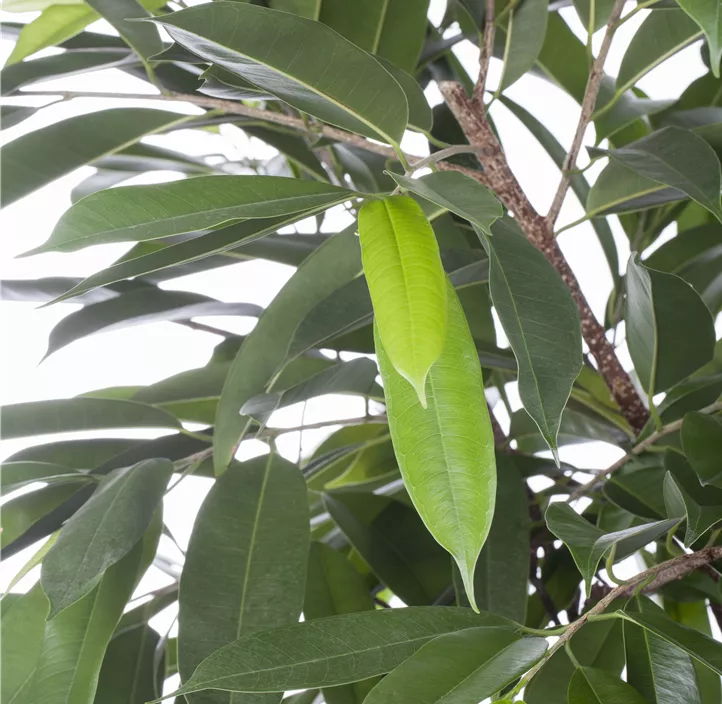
(661, 35)
(144, 39)
(249, 548)
(702, 442)
(460, 668)
(41, 156)
(588, 544)
(315, 83)
(708, 15)
(645, 613)
(541, 321)
(677, 158)
(140, 213)
(669, 329)
(327, 652)
(592, 686)
(35, 5)
(526, 30)
(458, 193)
(102, 532)
(406, 281)
(263, 352)
(446, 450)
(74, 414)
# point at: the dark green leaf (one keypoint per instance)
(707, 16)
(601, 9)
(526, 31)
(14, 475)
(637, 488)
(11, 115)
(702, 442)
(78, 454)
(420, 116)
(592, 686)
(142, 38)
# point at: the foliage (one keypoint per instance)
(396, 309)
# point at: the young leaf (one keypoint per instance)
(702, 442)
(313, 82)
(406, 281)
(458, 193)
(526, 31)
(446, 449)
(592, 686)
(677, 158)
(330, 651)
(41, 156)
(541, 321)
(670, 332)
(249, 548)
(102, 532)
(141, 213)
(464, 667)
(707, 16)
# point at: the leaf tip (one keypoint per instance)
(555, 455)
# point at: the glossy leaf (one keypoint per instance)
(263, 352)
(330, 651)
(458, 193)
(102, 532)
(677, 158)
(377, 107)
(592, 686)
(526, 31)
(141, 213)
(702, 442)
(541, 321)
(464, 668)
(669, 329)
(708, 17)
(249, 548)
(123, 16)
(446, 450)
(588, 544)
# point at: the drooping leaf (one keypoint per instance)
(330, 651)
(541, 321)
(102, 532)
(637, 488)
(588, 544)
(679, 159)
(526, 31)
(702, 442)
(464, 667)
(249, 548)
(263, 352)
(142, 38)
(707, 16)
(669, 329)
(420, 116)
(141, 213)
(446, 450)
(74, 414)
(406, 281)
(458, 193)
(315, 84)
(592, 686)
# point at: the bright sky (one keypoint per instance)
(146, 354)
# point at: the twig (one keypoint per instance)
(636, 450)
(487, 49)
(588, 102)
(445, 154)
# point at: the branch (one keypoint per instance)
(588, 102)
(635, 451)
(487, 49)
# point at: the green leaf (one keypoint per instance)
(140, 213)
(14, 475)
(263, 352)
(405, 277)
(22, 627)
(645, 613)
(421, 118)
(330, 651)
(637, 488)
(601, 9)
(541, 321)
(458, 193)
(249, 548)
(41, 156)
(11, 115)
(446, 450)
(142, 307)
(315, 84)
(142, 38)
(657, 669)
(102, 532)
(525, 35)
(74, 414)
(78, 454)
(592, 686)
(669, 329)
(355, 377)
(464, 668)
(588, 544)
(708, 17)
(392, 539)
(661, 35)
(677, 158)
(702, 442)
(686, 498)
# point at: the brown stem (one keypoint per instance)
(487, 49)
(498, 176)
